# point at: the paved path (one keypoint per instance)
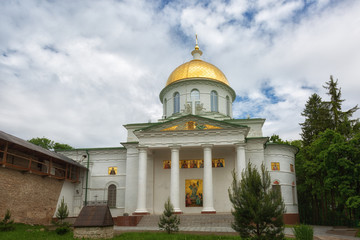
(221, 224)
(319, 231)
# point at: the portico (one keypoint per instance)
(217, 142)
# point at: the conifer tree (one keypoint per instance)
(7, 224)
(62, 211)
(257, 209)
(340, 121)
(316, 115)
(168, 220)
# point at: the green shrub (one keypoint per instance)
(303, 232)
(62, 230)
(7, 224)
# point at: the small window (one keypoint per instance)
(227, 106)
(214, 101)
(176, 102)
(276, 188)
(291, 167)
(112, 196)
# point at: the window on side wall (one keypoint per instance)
(112, 196)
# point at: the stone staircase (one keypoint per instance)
(191, 220)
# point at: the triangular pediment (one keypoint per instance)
(191, 123)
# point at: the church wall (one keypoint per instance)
(254, 124)
(100, 179)
(71, 198)
(284, 155)
(100, 160)
(30, 198)
(255, 153)
(222, 178)
(132, 165)
(150, 182)
(131, 128)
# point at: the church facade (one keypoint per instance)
(188, 155)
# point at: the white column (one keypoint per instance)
(208, 201)
(141, 199)
(174, 187)
(240, 159)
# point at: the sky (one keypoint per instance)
(76, 71)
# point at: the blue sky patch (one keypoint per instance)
(269, 93)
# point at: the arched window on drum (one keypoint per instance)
(176, 102)
(195, 101)
(165, 107)
(228, 106)
(214, 101)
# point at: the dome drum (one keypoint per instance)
(216, 95)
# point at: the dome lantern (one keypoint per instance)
(197, 52)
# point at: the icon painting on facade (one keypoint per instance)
(166, 164)
(112, 170)
(193, 192)
(196, 163)
(218, 163)
(275, 166)
(191, 125)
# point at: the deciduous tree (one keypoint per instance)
(49, 144)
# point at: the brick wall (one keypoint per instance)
(29, 197)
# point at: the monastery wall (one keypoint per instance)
(30, 198)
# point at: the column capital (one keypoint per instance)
(240, 144)
(174, 146)
(142, 148)
(207, 145)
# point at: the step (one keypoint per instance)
(192, 220)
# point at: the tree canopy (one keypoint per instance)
(328, 163)
(49, 144)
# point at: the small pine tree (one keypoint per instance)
(7, 224)
(169, 222)
(62, 211)
(258, 210)
(61, 214)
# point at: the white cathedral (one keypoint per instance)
(188, 155)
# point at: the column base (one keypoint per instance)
(208, 211)
(177, 212)
(141, 212)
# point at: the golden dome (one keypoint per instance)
(197, 69)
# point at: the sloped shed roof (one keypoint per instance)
(34, 149)
(94, 216)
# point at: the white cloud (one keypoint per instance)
(76, 72)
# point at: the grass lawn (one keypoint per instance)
(27, 232)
